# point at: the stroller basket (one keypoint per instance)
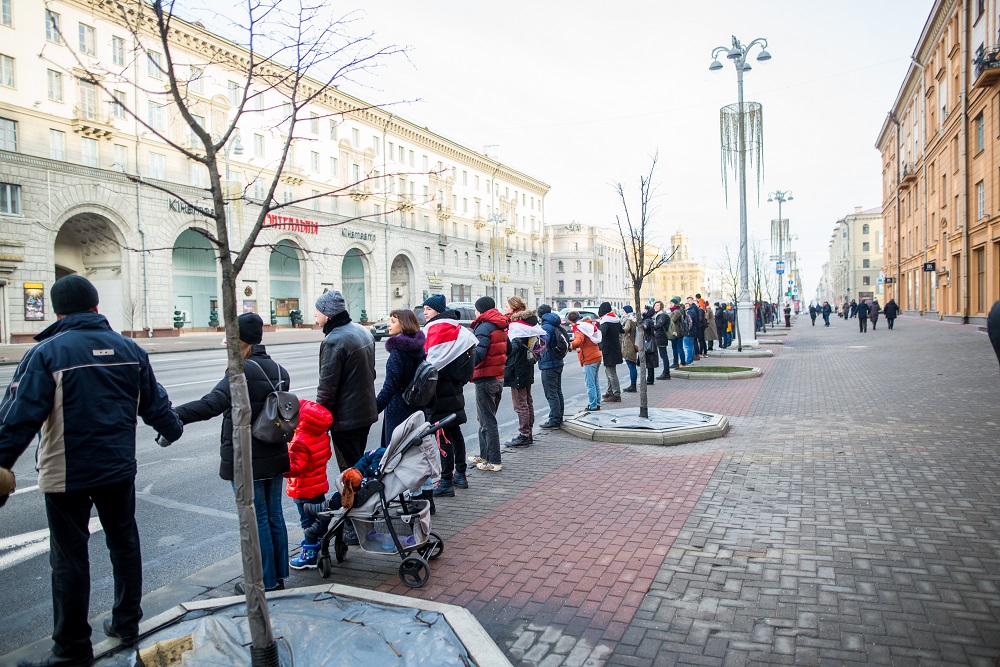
(411, 528)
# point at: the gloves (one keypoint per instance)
(163, 442)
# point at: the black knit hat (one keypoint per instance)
(251, 328)
(485, 303)
(544, 309)
(73, 294)
(436, 302)
(604, 309)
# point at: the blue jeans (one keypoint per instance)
(593, 384)
(677, 344)
(313, 528)
(633, 371)
(727, 339)
(271, 530)
(664, 358)
(688, 350)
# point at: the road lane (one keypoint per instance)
(186, 513)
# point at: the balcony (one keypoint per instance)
(293, 174)
(404, 202)
(88, 122)
(443, 212)
(986, 67)
(442, 239)
(479, 221)
(480, 246)
(908, 176)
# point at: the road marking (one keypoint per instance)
(184, 507)
(185, 384)
(22, 547)
(26, 489)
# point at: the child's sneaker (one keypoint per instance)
(307, 559)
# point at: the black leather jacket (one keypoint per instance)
(347, 374)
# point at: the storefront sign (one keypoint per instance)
(354, 234)
(930, 266)
(179, 206)
(34, 301)
(291, 224)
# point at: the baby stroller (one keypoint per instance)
(385, 518)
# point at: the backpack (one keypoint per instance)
(560, 346)
(423, 386)
(684, 323)
(537, 348)
(276, 422)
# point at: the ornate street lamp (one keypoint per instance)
(780, 196)
(738, 53)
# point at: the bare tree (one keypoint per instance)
(759, 285)
(729, 267)
(641, 260)
(291, 50)
(132, 310)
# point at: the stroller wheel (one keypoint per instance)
(434, 548)
(340, 549)
(324, 566)
(414, 572)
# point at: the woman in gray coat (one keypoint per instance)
(711, 330)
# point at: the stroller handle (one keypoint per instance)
(441, 423)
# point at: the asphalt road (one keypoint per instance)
(186, 514)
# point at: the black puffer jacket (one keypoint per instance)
(519, 369)
(611, 342)
(262, 373)
(661, 323)
(449, 396)
(347, 374)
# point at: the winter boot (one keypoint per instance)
(460, 481)
(631, 389)
(428, 494)
(307, 559)
(444, 488)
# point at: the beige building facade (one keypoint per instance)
(854, 267)
(586, 266)
(415, 213)
(681, 275)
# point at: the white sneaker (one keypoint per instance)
(477, 460)
(489, 467)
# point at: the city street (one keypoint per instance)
(186, 514)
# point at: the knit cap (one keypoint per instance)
(331, 303)
(73, 294)
(437, 303)
(485, 303)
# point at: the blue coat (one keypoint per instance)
(549, 360)
(405, 354)
(82, 387)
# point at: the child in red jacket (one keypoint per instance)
(308, 453)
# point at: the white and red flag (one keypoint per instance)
(446, 341)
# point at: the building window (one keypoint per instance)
(157, 166)
(315, 200)
(118, 51)
(118, 104)
(8, 135)
(258, 145)
(259, 189)
(87, 40)
(313, 123)
(55, 85)
(980, 200)
(355, 173)
(6, 71)
(376, 144)
(866, 280)
(5, 13)
(578, 266)
(88, 152)
(980, 264)
(87, 101)
(356, 137)
(866, 264)
(289, 194)
(980, 132)
(198, 174)
(334, 168)
(53, 27)
(333, 130)
(579, 286)
(121, 158)
(10, 199)
(314, 161)
(156, 120)
(866, 246)
(560, 266)
(196, 84)
(233, 93)
(57, 145)
(153, 67)
(865, 229)
(561, 284)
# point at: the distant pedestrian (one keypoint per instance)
(862, 311)
(269, 461)
(649, 347)
(873, 315)
(812, 313)
(691, 330)
(490, 330)
(519, 371)
(629, 349)
(80, 391)
(720, 324)
(449, 347)
(661, 328)
(711, 330)
(586, 338)
(891, 312)
(611, 350)
(676, 332)
(788, 316)
(854, 308)
(826, 310)
(551, 365)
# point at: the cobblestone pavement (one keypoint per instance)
(851, 516)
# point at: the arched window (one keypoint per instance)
(579, 265)
(561, 268)
(456, 258)
(466, 260)
(864, 229)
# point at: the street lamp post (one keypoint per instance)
(738, 54)
(780, 196)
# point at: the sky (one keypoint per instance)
(580, 94)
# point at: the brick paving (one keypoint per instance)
(851, 516)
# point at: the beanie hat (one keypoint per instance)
(331, 303)
(73, 294)
(251, 328)
(676, 299)
(485, 303)
(604, 309)
(436, 302)
(544, 309)
(627, 309)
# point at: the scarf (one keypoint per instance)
(447, 340)
(520, 329)
(589, 330)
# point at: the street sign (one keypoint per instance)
(930, 266)
(780, 268)
(889, 280)
(791, 282)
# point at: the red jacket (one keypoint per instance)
(309, 451)
(491, 348)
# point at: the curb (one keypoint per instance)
(717, 427)
(738, 375)
(747, 352)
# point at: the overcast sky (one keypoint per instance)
(580, 93)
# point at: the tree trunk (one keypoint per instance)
(641, 343)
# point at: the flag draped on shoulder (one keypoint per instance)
(520, 329)
(446, 341)
(589, 330)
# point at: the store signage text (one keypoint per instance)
(291, 224)
(183, 207)
(354, 234)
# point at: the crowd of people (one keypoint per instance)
(864, 311)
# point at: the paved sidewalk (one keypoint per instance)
(851, 516)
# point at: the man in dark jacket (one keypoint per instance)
(611, 350)
(551, 365)
(862, 311)
(891, 312)
(876, 309)
(661, 324)
(490, 329)
(826, 310)
(346, 378)
(454, 373)
(82, 387)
